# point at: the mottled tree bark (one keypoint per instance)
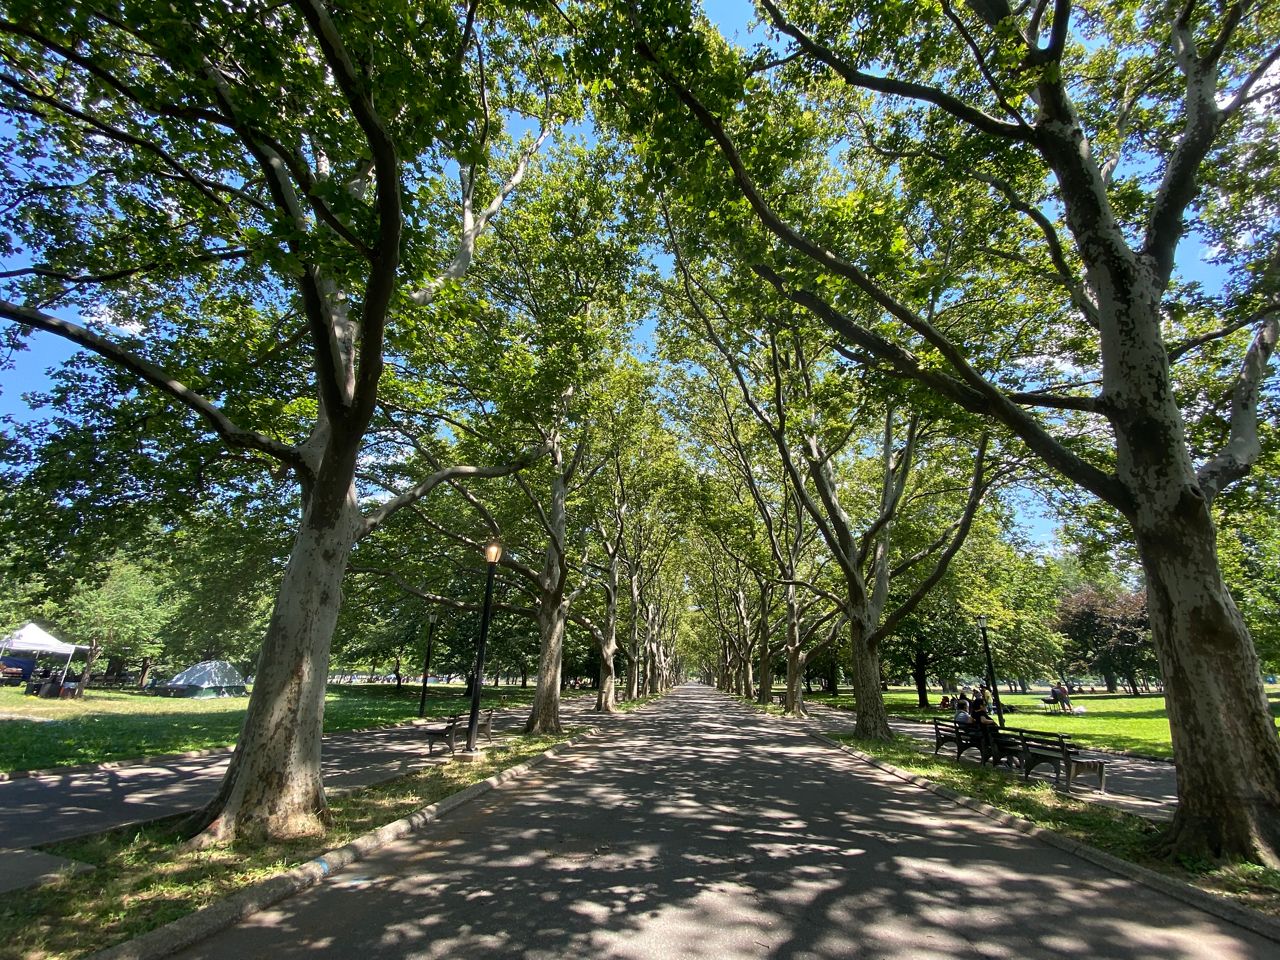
(273, 786)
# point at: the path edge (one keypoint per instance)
(1251, 920)
(189, 930)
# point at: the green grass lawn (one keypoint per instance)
(117, 725)
(1111, 721)
(144, 878)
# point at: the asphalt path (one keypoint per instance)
(701, 828)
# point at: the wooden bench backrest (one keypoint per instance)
(1052, 741)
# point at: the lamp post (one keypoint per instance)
(991, 668)
(492, 554)
(426, 662)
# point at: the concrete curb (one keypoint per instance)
(185, 931)
(1251, 920)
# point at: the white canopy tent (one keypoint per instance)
(33, 639)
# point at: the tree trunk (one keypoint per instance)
(273, 787)
(90, 659)
(633, 676)
(553, 608)
(606, 697)
(873, 721)
(545, 715)
(1110, 679)
(920, 674)
(1224, 740)
(794, 702)
(765, 693)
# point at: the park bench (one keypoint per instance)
(1057, 749)
(963, 736)
(1029, 748)
(448, 733)
(484, 726)
(445, 734)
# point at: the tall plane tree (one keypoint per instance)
(181, 170)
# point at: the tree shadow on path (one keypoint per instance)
(705, 830)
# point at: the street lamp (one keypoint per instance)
(426, 662)
(991, 668)
(492, 554)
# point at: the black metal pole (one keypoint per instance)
(426, 664)
(991, 674)
(474, 721)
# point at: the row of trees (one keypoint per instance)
(343, 275)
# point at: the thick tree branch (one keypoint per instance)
(971, 390)
(977, 490)
(901, 88)
(1036, 398)
(415, 493)
(381, 282)
(989, 401)
(508, 562)
(473, 226)
(230, 433)
(1179, 350)
(1242, 448)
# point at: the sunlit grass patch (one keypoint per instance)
(1110, 721)
(109, 725)
(144, 878)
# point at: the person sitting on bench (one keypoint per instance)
(983, 721)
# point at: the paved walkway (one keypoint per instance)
(42, 810)
(704, 829)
